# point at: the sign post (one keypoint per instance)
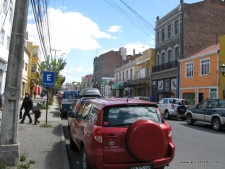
(48, 82)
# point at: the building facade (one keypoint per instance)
(104, 66)
(183, 31)
(199, 75)
(6, 21)
(87, 81)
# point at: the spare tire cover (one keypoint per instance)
(145, 140)
(181, 109)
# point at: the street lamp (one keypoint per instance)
(222, 69)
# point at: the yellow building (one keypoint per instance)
(143, 67)
(221, 62)
(34, 81)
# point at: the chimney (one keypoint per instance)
(123, 53)
(134, 52)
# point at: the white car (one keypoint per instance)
(173, 107)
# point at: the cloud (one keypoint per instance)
(115, 28)
(70, 30)
(75, 73)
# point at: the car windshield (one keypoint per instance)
(117, 116)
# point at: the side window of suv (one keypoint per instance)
(165, 101)
(92, 115)
(203, 104)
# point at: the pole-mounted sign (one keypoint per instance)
(48, 79)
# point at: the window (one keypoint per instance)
(131, 73)
(142, 73)
(169, 31)
(189, 69)
(8, 42)
(205, 67)
(177, 53)
(213, 93)
(126, 74)
(158, 36)
(163, 34)
(163, 58)
(147, 72)
(2, 37)
(176, 27)
(116, 116)
(26, 66)
(170, 56)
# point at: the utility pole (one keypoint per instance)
(9, 146)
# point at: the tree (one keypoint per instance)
(56, 65)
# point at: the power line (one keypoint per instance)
(134, 17)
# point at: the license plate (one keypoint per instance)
(141, 167)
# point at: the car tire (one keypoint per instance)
(181, 109)
(137, 141)
(73, 146)
(189, 119)
(166, 115)
(85, 164)
(216, 124)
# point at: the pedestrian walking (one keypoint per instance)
(35, 94)
(27, 105)
(37, 115)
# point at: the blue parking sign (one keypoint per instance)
(48, 79)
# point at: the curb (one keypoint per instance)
(65, 158)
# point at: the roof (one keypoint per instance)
(121, 101)
(213, 49)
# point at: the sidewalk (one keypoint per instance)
(45, 146)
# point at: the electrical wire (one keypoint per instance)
(133, 16)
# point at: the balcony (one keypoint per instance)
(165, 66)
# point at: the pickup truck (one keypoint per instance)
(210, 110)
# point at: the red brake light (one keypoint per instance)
(97, 133)
(172, 105)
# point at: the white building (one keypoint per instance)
(6, 21)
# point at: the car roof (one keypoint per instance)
(105, 102)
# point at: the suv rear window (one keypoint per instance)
(117, 116)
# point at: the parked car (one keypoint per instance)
(210, 110)
(67, 98)
(142, 98)
(121, 133)
(173, 107)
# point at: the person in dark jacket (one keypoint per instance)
(27, 105)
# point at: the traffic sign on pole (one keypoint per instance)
(48, 79)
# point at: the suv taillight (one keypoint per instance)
(97, 133)
(172, 105)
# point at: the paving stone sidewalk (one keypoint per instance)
(44, 145)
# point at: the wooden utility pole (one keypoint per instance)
(9, 146)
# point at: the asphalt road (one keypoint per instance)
(197, 147)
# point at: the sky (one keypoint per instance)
(81, 30)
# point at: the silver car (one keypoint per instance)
(173, 107)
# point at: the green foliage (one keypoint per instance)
(46, 125)
(3, 165)
(55, 65)
(23, 158)
(24, 166)
(32, 162)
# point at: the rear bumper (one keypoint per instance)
(155, 164)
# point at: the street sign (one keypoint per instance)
(48, 79)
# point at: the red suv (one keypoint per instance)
(120, 133)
